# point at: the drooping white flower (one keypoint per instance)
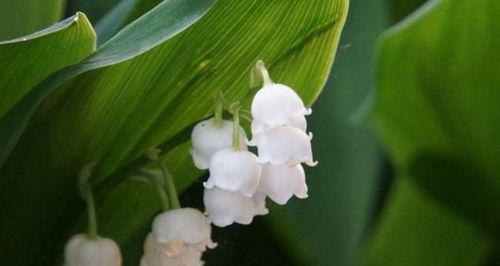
(179, 237)
(226, 207)
(207, 139)
(277, 105)
(281, 182)
(188, 224)
(234, 171)
(284, 145)
(84, 251)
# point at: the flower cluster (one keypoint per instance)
(178, 238)
(235, 191)
(240, 181)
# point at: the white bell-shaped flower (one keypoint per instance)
(207, 139)
(226, 207)
(84, 251)
(179, 237)
(277, 105)
(284, 145)
(281, 182)
(234, 171)
(188, 224)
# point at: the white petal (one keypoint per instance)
(207, 139)
(259, 199)
(234, 171)
(277, 105)
(281, 182)
(83, 251)
(284, 145)
(188, 224)
(226, 207)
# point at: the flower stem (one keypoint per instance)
(236, 123)
(266, 79)
(218, 108)
(172, 191)
(86, 192)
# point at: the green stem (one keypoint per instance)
(92, 217)
(236, 129)
(218, 108)
(172, 192)
(86, 191)
(266, 79)
(163, 197)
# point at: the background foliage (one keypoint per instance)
(429, 89)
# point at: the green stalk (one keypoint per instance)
(218, 108)
(236, 124)
(87, 195)
(171, 190)
(266, 79)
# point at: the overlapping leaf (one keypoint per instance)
(114, 114)
(28, 60)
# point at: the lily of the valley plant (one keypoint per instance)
(237, 187)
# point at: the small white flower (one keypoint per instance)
(234, 171)
(188, 224)
(284, 145)
(179, 238)
(83, 251)
(277, 105)
(281, 182)
(226, 207)
(207, 139)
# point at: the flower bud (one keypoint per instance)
(234, 171)
(226, 207)
(281, 182)
(277, 105)
(207, 139)
(284, 145)
(83, 251)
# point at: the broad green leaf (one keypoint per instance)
(140, 36)
(31, 223)
(438, 91)
(22, 17)
(29, 59)
(416, 230)
(330, 226)
(114, 114)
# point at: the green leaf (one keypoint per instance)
(114, 114)
(135, 39)
(22, 17)
(29, 59)
(416, 230)
(438, 91)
